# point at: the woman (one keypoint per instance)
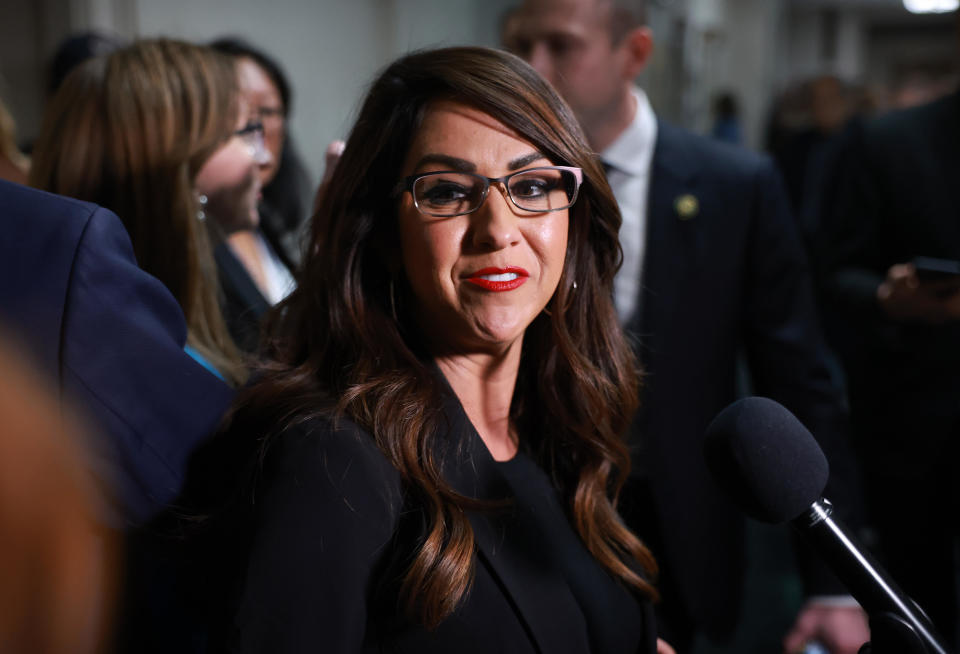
(255, 263)
(157, 133)
(440, 429)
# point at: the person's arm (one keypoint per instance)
(123, 366)
(788, 363)
(326, 513)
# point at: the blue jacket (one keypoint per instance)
(111, 338)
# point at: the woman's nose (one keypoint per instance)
(496, 224)
(258, 150)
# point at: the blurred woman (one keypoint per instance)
(438, 438)
(157, 133)
(255, 264)
(286, 185)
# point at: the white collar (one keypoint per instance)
(632, 151)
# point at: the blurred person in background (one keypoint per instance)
(57, 561)
(76, 49)
(804, 120)
(256, 263)
(713, 266)
(158, 133)
(287, 188)
(897, 331)
(110, 340)
(726, 119)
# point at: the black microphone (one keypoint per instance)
(772, 467)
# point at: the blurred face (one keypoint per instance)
(569, 43)
(230, 177)
(481, 278)
(263, 98)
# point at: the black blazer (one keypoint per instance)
(723, 275)
(333, 529)
(111, 339)
(242, 303)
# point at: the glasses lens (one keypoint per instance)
(543, 189)
(252, 135)
(448, 194)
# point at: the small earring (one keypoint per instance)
(574, 285)
(201, 215)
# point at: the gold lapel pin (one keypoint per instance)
(686, 206)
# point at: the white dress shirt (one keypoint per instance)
(628, 162)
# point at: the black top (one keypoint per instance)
(334, 529)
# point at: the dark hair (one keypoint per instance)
(76, 49)
(235, 46)
(341, 345)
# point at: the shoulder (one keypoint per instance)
(43, 235)
(19, 201)
(36, 223)
(925, 127)
(926, 115)
(698, 154)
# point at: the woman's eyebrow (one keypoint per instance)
(453, 163)
(462, 165)
(525, 160)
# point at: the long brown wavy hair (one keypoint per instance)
(130, 132)
(346, 341)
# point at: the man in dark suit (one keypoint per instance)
(900, 346)
(110, 337)
(713, 266)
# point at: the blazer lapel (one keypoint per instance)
(674, 235)
(538, 598)
(240, 283)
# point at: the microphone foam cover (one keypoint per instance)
(766, 461)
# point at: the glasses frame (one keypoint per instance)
(407, 184)
(253, 135)
(251, 130)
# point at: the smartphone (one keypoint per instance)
(930, 269)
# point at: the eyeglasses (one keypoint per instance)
(252, 135)
(251, 131)
(451, 193)
(269, 114)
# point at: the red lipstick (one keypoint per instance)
(498, 279)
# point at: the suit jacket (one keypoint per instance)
(898, 199)
(334, 531)
(724, 274)
(111, 338)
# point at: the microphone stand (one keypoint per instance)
(897, 624)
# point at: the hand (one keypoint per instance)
(664, 648)
(330, 159)
(903, 296)
(841, 629)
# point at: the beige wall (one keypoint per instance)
(331, 49)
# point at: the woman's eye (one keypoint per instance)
(532, 188)
(445, 193)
